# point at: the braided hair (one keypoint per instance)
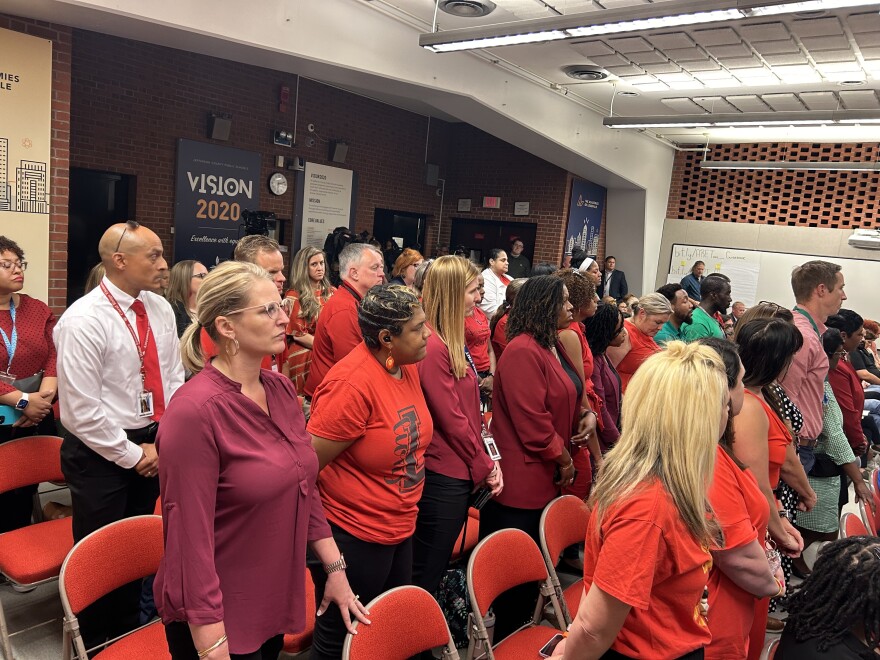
(842, 593)
(600, 328)
(385, 307)
(536, 310)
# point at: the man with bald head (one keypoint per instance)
(118, 365)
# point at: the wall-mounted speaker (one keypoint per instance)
(432, 174)
(219, 127)
(338, 151)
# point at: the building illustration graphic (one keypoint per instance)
(27, 191)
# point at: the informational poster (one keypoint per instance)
(25, 149)
(585, 217)
(742, 267)
(215, 186)
(326, 201)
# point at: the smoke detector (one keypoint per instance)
(467, 8)
(585, 72)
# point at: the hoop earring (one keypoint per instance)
(237, 348)
(389, 362)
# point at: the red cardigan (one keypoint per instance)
(850, 397)
(534, 409)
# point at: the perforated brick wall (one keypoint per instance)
(803, 198)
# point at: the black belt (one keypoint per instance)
(146, 434)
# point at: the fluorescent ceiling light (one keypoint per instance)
(748, 119)
(618, 21)
(788, 165)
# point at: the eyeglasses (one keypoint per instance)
(129, 224)
(11, 265)
(272, 309)
(201, 276)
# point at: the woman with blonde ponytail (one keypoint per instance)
(237, 464)
(646, 558)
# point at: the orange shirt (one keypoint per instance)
(778, 439)
(644, 556)
(742, 511)
(643, 347)
(372, 489)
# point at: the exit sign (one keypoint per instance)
(491, 202)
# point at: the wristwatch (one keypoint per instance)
(338, 565)
(23, 401)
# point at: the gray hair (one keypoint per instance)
(653, 304)
(351, 255)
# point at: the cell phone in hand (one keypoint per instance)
(548, 648)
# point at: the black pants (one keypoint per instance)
(443, 510)
(181, 645)
(372, 569)
(101, 493)
(17, 506)
(514, 607)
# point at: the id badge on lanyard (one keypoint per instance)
(7, 376)
(488, 440)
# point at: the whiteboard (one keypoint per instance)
(743, 267)
(862, 277)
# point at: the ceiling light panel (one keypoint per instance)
(684, 86)
(653, 87)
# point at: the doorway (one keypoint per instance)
(406, 230)
(97, 200)
(478, 237)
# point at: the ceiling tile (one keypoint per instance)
(663, 67)
(728, 83)
(837, 42)
(871, 53)
(641, 79)
(691, 84)
(712, 75)
(686, 54)
(748, 103)
(833, 56)
(590, 48)
(610, 60)
(630, 45)
(865, 39)
(785, 59)
(621, 71)
(783, 102)
(820, 100)
(732, 50)
(674, 77)
(740, 62)
(653, 87)
(715, 104)
(614, 4)
(840, 67)
(868, 22)
(764, 32)
(774, 47)
(716, 36)
(649, 57)
(671, 40)
(793, 75)
(683, 106)
(816, 27)
(860, 100)
(705, 65)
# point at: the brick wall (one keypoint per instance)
(805, 198)
(59, 163)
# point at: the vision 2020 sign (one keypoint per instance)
(215, 184)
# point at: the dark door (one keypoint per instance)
(478, 237)
(97, 200)
(395, 225)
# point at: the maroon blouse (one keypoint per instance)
(34, 323)
(239, 502)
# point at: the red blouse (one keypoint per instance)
(499, 337)
(643, 347)
(847, 387)
(778, 439)
(34, 323)
(476, 337)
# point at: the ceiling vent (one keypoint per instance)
(585, 72)
(467, 8)
(810, 14)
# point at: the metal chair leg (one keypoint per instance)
(4, 634)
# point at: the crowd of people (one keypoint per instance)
(346, 429)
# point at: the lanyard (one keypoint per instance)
(806, 314)
(141, 347)
(13, 344)
(470, 360)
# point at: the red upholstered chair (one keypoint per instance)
(875, 490)
(564, 523)
(31, 555)
(471, 532)
(867, 518)
(771, 648)
(116, 554)
(501, 561)
(295, 644)
(405, 621)
(852, 525)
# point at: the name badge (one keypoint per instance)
(7, 378)
(145, 404)
(491, 447)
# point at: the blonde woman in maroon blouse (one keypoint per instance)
(27, 372)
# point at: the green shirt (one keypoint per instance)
(701, 325)
(669, 333)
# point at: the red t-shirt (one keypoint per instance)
(778, 439)
(742, 511)
(372, 489)
(336, 334)
(644, 556)
(270, 362)
(643, 347)
(476, 337)
(499, 337)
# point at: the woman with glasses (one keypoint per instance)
(184, 283)
(239, 498)
(649, 314)
(310, 289)
(28, 380)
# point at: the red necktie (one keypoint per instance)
(152, 373)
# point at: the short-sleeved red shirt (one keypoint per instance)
(336, 334)
(372, 489)
(742, 511)
(476, 337)
(644, 556)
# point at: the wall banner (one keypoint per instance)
(585, 217)
(215, 185)
(325, 200)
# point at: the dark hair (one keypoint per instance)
(509, 296)
(494, 252)
(581, 289)
(730, 356)
(697, 263)
(601, 327)
(806, 277)
(831, 341)
(515, 241)
(385, 307)
(842, 593)
(669, 291)
(766, 347)
(536, 310)
(7, 244)
(610, 256)
(544, 269)
(846, 321)
(578, 256)
(714, 283)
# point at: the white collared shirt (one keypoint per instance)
(99, 377)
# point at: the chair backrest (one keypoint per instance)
(116, 554)
(404, 622)
(501, 561)
(867, 518)
(563, 523)
(852, 525)
(875, 490)
(772, 645)
(29, 461)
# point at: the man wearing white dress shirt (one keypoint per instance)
(117, 369)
